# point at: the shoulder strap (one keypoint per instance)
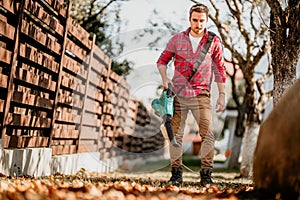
(203, 53)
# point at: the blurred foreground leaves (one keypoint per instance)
(84, 185)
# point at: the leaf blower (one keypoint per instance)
(164, 108)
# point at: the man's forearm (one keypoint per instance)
(221, 88)
(163, 72)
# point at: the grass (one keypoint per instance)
(192, 162)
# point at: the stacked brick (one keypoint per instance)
(143, 117)
(34, 72)
(57, 89)
(73, 76)
(8, 20)
(115, 115)
(92, 116)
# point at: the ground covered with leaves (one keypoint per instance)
(124, 185)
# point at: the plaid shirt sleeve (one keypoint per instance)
(168, 52)
(218, 61)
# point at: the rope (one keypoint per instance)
(189, 169)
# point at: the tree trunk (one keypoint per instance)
(249, 145)
(284, 76)
(233, 160)
(247, 107)
(285, 54)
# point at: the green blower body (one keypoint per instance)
(164, 108)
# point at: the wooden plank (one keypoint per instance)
(65, 133)
(74, 66)
(90, 119)
(29, 121)
(32, 141)
(108, 108)
(3, 81)
(72, 82)
(1, 105)
(87, 146)
(29, 77)
(34, 32)
(53, 44)
(57, 111)
(95, 78)
(5, 55)
(108, 132)
(95, 94)
(107, 120)
(67, 115)
(38, 11)
(29, 131)
(56, 150)
(132, 104)
(63, 149)
(76, 50)
(69, 149)
(6, 29)
(102, 56)
(80, 34)
(114, 76)
(25, 141)
(105, 144)
(88, 132)
(70, 98)
(11, 59)
(44, 39)
(65, 126)
(31, 99)
(64, 142)
(97, 66)
(11, 6)
(29, 52)
(58, 7)
(93, 106)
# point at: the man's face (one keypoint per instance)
(198, 23)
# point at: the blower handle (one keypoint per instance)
(170, 90)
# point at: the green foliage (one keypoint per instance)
(96, 16)
(121, 68)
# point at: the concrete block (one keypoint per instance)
(113, 163)
(29, 161)
(91, 162)
(40, 162)
(37, 162)
(64, 164)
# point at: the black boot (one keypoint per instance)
(176, 178)
(205, 175)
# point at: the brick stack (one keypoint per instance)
(34, 71)
(57, 89)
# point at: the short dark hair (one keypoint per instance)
(199, 7)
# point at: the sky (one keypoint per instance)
(136, 14)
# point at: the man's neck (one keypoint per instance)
(197, 35)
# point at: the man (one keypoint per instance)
(193, 93)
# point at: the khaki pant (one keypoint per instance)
(201, 109)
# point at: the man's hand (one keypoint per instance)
(166, 83)
(220, 105)
(163, 73)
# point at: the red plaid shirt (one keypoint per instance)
(180, 47)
